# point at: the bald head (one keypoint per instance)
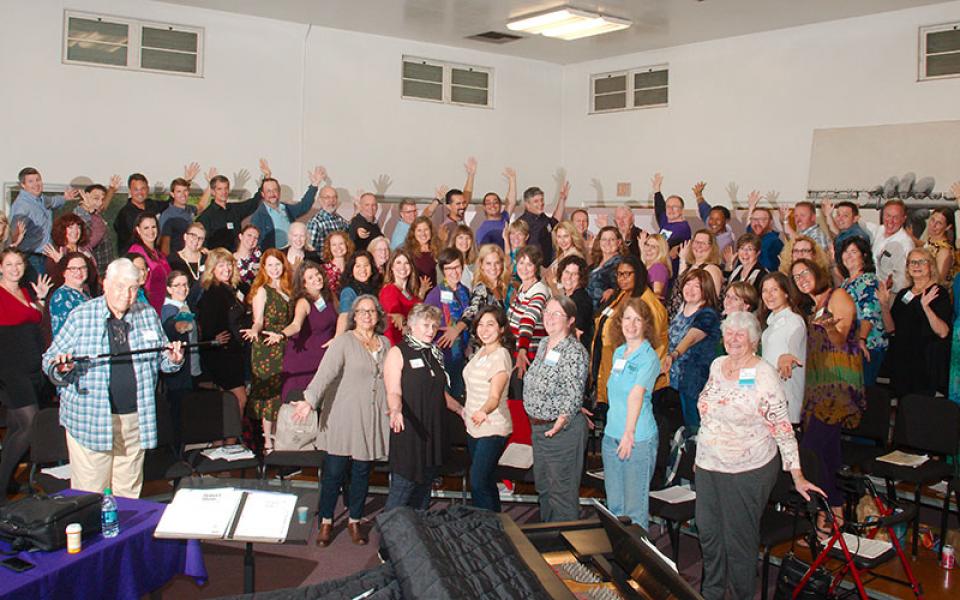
(328, 198)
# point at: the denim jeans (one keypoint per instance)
(406, 492)
(871, 368)
(627, 482)
(331, 480)
(485, 453)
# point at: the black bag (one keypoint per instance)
(40, 522)
(792, 570)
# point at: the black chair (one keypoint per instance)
(871, 437)
(457, 463)
(164, 462)
(211, 416)
(676, 514)
(928, 426)
(785, 516)
(286, 460)
(48, 448)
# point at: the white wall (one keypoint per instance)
(358, 126)
(72, 121)
(744, 109)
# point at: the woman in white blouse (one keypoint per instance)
(784, 340)
(743, 424)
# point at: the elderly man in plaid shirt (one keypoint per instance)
(108, 405)
(327, 220)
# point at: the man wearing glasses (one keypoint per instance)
(108, 405)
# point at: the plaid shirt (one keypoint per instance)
(321, 225)
(85, 391)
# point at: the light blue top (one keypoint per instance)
(37, 216)
(399, 234)
(639, 369)
(281, 224)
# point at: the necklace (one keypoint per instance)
(195, 275)
(730, 366)
(371, 343)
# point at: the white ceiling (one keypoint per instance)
(657, 23)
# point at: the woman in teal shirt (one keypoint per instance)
(630, 437)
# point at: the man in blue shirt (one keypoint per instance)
(843, 222)
(108, 405)
(273, 218)
(491, 230)
(35, 212)
(761, 223)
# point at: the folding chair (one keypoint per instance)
(872, 435)
(211, 416)
(924, 425)
(293, 459)
(48, 448)
(838, 547)
(164, 462)
(676, 514)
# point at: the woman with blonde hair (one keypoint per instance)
(221, 316)
(269, 298)
(379, 249)
(490, 281)
(655, 253)
(567, 241)
(803, 246)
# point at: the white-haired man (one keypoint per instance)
(108, 405)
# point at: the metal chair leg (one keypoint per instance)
(916, 521)
(765, 574)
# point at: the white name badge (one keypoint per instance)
(819, 313)
(230, 226)
(748, 377)
(607, 311)
(908, 297)
(619, 364)
(553, 357)
(416, 363)
(150, 336)
(446, 296)
(320, 304)
(666, 233)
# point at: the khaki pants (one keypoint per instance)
(120, 469)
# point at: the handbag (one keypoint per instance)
(293, 436)
(40, 522)
(792, 570)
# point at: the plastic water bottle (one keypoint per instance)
(109, 516)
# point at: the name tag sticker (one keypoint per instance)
(150, 336)
(666, 233)
(607, 311)
(819, 313)
(320, 304)
(619, 364)
(908, 297)
(748, 377)
(230, 226)
(553, 357)
(416, 363)
(446, 296)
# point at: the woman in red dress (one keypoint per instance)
(399, 294)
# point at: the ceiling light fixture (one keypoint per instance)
(568, 23)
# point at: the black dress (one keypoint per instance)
(919, 358)
(220, 310)
(584, 320)
(422, 444)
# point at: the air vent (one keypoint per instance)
(494, 37)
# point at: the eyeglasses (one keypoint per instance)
(452, 268)
(918, 262)
(366, 311)
(557, 314)
(800, 275)
(803, 251)
(76, 269)
(625, 274)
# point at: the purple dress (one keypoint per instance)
(305, 350)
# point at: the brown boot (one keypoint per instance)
(356, 533)
(325, 535)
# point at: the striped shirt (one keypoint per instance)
(526, 317)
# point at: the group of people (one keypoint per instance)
(530, 328)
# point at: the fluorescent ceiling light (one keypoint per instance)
(568, 23)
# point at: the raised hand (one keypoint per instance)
(425, 285)
(191, 171)
(772, 197)
(19, 230)
(657, 182)
(52, 253)
(317, 176)
(240, 179)
(440, 193)
(698, 189)
(727, 255)
(753, 199)
(381, 184)
(42, 287)
(827, 206)
(210, 174)
(272, 338)
(883, 293)
(471, 165)
(732, 190)
(784, 211)
(929, 295)
(70, 193)
(265, 169)
(510, 174)
(397, 320)
(683, 252)
(565, 190)
(115, 182)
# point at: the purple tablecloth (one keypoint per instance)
(127, 566)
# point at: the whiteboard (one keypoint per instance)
(862, 158)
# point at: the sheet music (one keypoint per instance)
(199, 513)
(519, 456)
(865, 547)
(674, 494)
(904, 459)
(265, 516)
(61, 472)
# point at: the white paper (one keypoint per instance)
(228, 453)
(519, 456)
(865, 547)
(265, 516)
(199, 513)
(61, 472)
(662, 556)
(674, 494)
(904, 459)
